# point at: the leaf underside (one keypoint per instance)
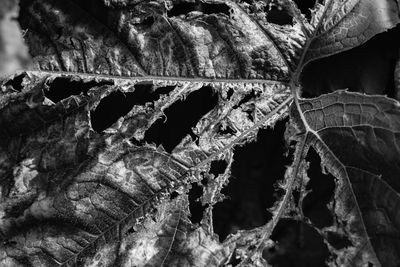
(83, 180)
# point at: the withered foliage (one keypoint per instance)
(118, 138)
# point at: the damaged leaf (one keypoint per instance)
(357, 137)
(130, 104)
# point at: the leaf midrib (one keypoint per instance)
(153, 78)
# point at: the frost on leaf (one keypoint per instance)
(102, 138)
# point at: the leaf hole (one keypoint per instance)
(16, 82)
(296, 244)
(144, 93)
(235, 260)
(61, 88)
(135, 142)
(181, 117)
(250, 111)
(148, 21)
(226, 130)
(117, 104)
(278, 15)
(338, 241)
(296, 196)
(173, 195)
(229, 94)
(184, 8)
(322, 186)
(247, 107)
(252, 95)
(131, 230)
(110, 109)
(305, 7)
(195, 206)
(251, 190)
(218, 167)
(204, 181)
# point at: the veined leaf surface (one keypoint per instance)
(88, 167)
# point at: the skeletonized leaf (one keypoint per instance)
(84, 180)
(90, 194)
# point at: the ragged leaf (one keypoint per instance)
(127, 105)
(158, 243)
(357, 138)
(90, 188)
